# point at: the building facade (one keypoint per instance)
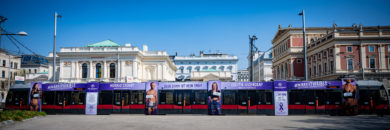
(215, 66)
(108, 61)
(34, 68)
(242, 76)
(288, 60)
(263, 67)
(6, 64)
(350, 52)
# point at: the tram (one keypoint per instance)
(372, 97)
(18, 97)
(315, 97)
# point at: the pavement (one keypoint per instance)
(199, 122)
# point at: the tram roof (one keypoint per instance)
(369, 83)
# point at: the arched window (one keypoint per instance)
(112, 70)
(98, 70)
(84, 70)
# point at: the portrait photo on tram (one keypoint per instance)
(151, 98)
(35, 95)
(214, 98)
(349, 97)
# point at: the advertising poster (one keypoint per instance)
(350, 96)
(91, 99)
(214, 92)
(280, 97)
(151, 100)
(35, 96)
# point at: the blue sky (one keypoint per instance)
(182, 26)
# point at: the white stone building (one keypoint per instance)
(108, 61)
(243, 76)
(263, 67)
(206, 67)
(13, 66)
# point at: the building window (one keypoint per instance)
(29, 71)
(372, 63)
(35, 70)
(371, 49)
(388, 48)
(2, 87)
(325, 67)
(84, 70)
(388, 62)
(12, 64)
(349, 48)
(3, 74)
(98, 70)
(299, 60)
(330, 51)
(112, 70)
(319, 69)
(315, 70)
(16, 66)
(350, 64)
(331, 66)
(4, 63)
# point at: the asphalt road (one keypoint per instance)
(199, 122)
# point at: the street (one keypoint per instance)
(199, 122)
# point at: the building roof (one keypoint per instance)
(106, 43)
(209, 70)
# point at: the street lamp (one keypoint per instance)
(56, 15)
(304, 43)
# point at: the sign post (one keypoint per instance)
(280, 98)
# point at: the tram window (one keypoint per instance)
(10, 97)
(229, 97)
(48, 98)
(137, 97)
(252, 96)
(105, 97)
(242, 97)
(320, 94)
(200, 97)
(269, 98)
(78, 98)
(166, 97)
(117, 98)
(296, 97)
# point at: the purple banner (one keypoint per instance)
(280, 85)
(63, 86)
(122, 86)
(246, 85)
(92, 87)
(182, 85)
(314, 84)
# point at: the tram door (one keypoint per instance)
(368, 100)
(310, 101)
(182, 101)
(264, 102)
(333, 102)
(121, 101)
(246, 101)
(78, 102)
(63, 101)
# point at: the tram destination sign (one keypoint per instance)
(182, 85)
(247, 85)
(122, 86)
(314, 84)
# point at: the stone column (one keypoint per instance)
(104, 75)
(91, 70)
(337, 57)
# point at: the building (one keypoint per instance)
(6, 64)
(215, 66)
(35, 68)
(350, 51)
(288, 60)
(263, 67)
(242, 76)
(108, 61)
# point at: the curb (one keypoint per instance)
(7, 122)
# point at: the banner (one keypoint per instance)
(314, 85)
(122, 86)
(182, 86)
(151, 97)
(63, 86)
(280, 97)
(91, 103)
(246, 85)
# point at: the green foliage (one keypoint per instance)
(19, 115)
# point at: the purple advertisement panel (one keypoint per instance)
(214, 104)
(280, 85)
(246, 85)
(64, 86)
(35, 96)
(350, 99)
(151, 101)
(182, 85)
(92, 87)
(314, 85)
(122, 86)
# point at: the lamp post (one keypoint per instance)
(304, 43)
(54, 45)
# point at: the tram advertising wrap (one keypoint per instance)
(151, 98)
(92, 99)
(35, 96)
(280, 97)
(214, 88)
(350, 97)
